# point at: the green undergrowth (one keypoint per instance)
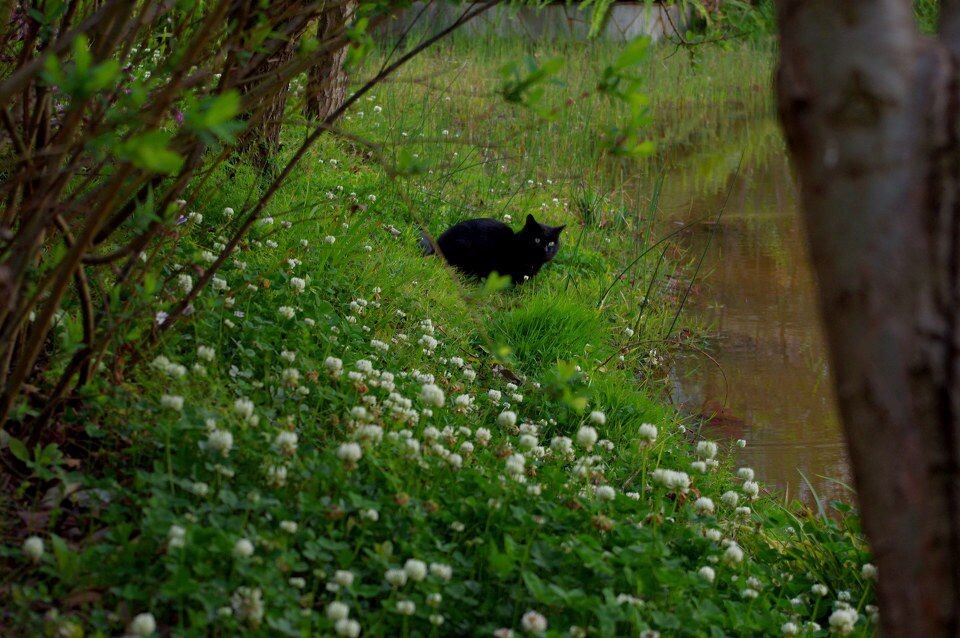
(344, 438)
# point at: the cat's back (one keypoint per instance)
(477, 232)
(477, 247)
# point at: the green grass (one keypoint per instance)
(539, 538)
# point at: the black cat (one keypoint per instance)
(478, 247)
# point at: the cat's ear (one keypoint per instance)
(530, 220)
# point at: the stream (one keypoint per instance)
(766, 378)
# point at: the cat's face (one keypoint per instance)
(542, 239)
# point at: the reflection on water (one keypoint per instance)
(769, 382)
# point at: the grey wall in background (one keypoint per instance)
(627, 20)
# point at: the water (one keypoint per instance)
(764, 376)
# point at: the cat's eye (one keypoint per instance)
(537, 240)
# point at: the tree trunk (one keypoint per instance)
(328, 80)
(264, 141)
(871, 111)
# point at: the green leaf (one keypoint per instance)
(634, 53)
(149, 151)
(501, 564)
(495, 283)
(81, 54)
(19, 449)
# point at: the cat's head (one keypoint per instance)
(541, 238)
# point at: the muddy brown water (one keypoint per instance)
(767, 378)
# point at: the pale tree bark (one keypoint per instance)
(871, 114)
(328, 80)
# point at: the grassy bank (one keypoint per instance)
(345, 438)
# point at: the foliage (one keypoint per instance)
(324, 330)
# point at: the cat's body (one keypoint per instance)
(478, 247)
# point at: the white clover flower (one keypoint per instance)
(741, 443)
(533, 622)
(220, 442)
(243, 548)
(707, 573)
(370, 515)
(647, 434)
(33, 548)
(436, 619)
(289, 527)
(206, 353)
(347, 627)
(298, 284)
(176, 537)
(528, 442)
(629, 599)
(462, 402)
(286, 312)
(733, 554)
(142, 625)
(228, 212)
(290, 376)
(334, 366)
(742, 512)
(416, 569)
(396, 577)
(244, 407)
(586, 437)
(868, 571)
(671, 479)
(483, 436)
(406, 607)
(218, 283)
(562, 445)
(185, 283)
(441, 571)
(247, 604)
(730, 498)
(703, 506)
(707, 449)
(507, 419)
(286, 442)
(494, 395)
(343, 577)
(789, 629)
(598, 418)
(745, 473)
(431, 394)
(699, 466)
(751, 488)
(172, 402)
(843, 620)
(515, 465)
(749, 593)
(819, 589)
(349, 452)
(713, 534)
(298, 582)
(605, 492)
(199, 488)
(337, 610)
